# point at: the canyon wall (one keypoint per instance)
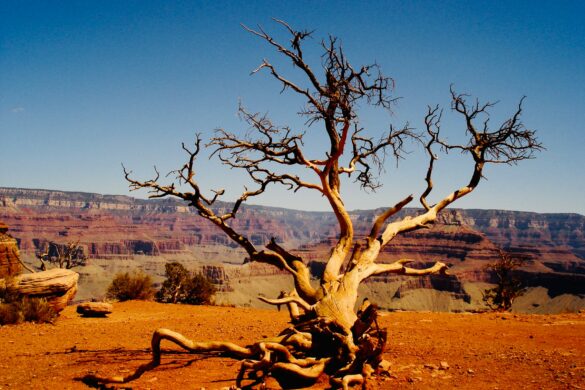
(115, 228)
(9, 254)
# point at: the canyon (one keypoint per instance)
(120, 233)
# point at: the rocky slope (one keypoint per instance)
(120, 231)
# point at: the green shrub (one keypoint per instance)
(181, 286)
(128, 286)
(508, 286)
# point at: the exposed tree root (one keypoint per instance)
(224, 348)
(296, 358)
(347, 381)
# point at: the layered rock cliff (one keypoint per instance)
(119, 228)
(9, 254)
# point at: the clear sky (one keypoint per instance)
(88, 85)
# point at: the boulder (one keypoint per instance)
(58, 286)
(94, 309)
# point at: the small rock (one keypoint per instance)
(431, 366)
(444, 366)
(383, 367)
(470, 371)
(94, 309)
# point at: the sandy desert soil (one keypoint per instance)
(483, 351)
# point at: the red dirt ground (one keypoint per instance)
(483, 351)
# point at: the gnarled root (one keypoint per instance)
(296, 358)
(224, 348)
(278, 362)
(347, 381)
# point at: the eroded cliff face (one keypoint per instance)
(121, 228)
(9, 254)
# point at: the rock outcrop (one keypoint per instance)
(9, 254)
(58, 286)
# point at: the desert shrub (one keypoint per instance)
(127, 286)
(200, 290)
(9, 314)
(29, 309)
(508, 286)
(6, 296)
(36, 310)
(181, 286)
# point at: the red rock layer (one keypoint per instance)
(9, 254)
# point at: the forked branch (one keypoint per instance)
(509, 144)
(186, 175)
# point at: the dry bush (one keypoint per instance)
(9, 314)
(128, 286)
(36, 310)
(26, 309)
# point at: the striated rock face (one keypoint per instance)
(121, 228)
(450, 283)
(541, 236)
(223, 276)
(9, 254)
(57, 285)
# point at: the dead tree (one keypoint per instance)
(62, 255)
(326, 335)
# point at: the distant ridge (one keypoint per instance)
(38, 193)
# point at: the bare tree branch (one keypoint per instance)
(432, 123)
(367, 153)
(398, 267)
(382, 218)
(509, 144)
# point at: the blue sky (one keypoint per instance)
(88, 85)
